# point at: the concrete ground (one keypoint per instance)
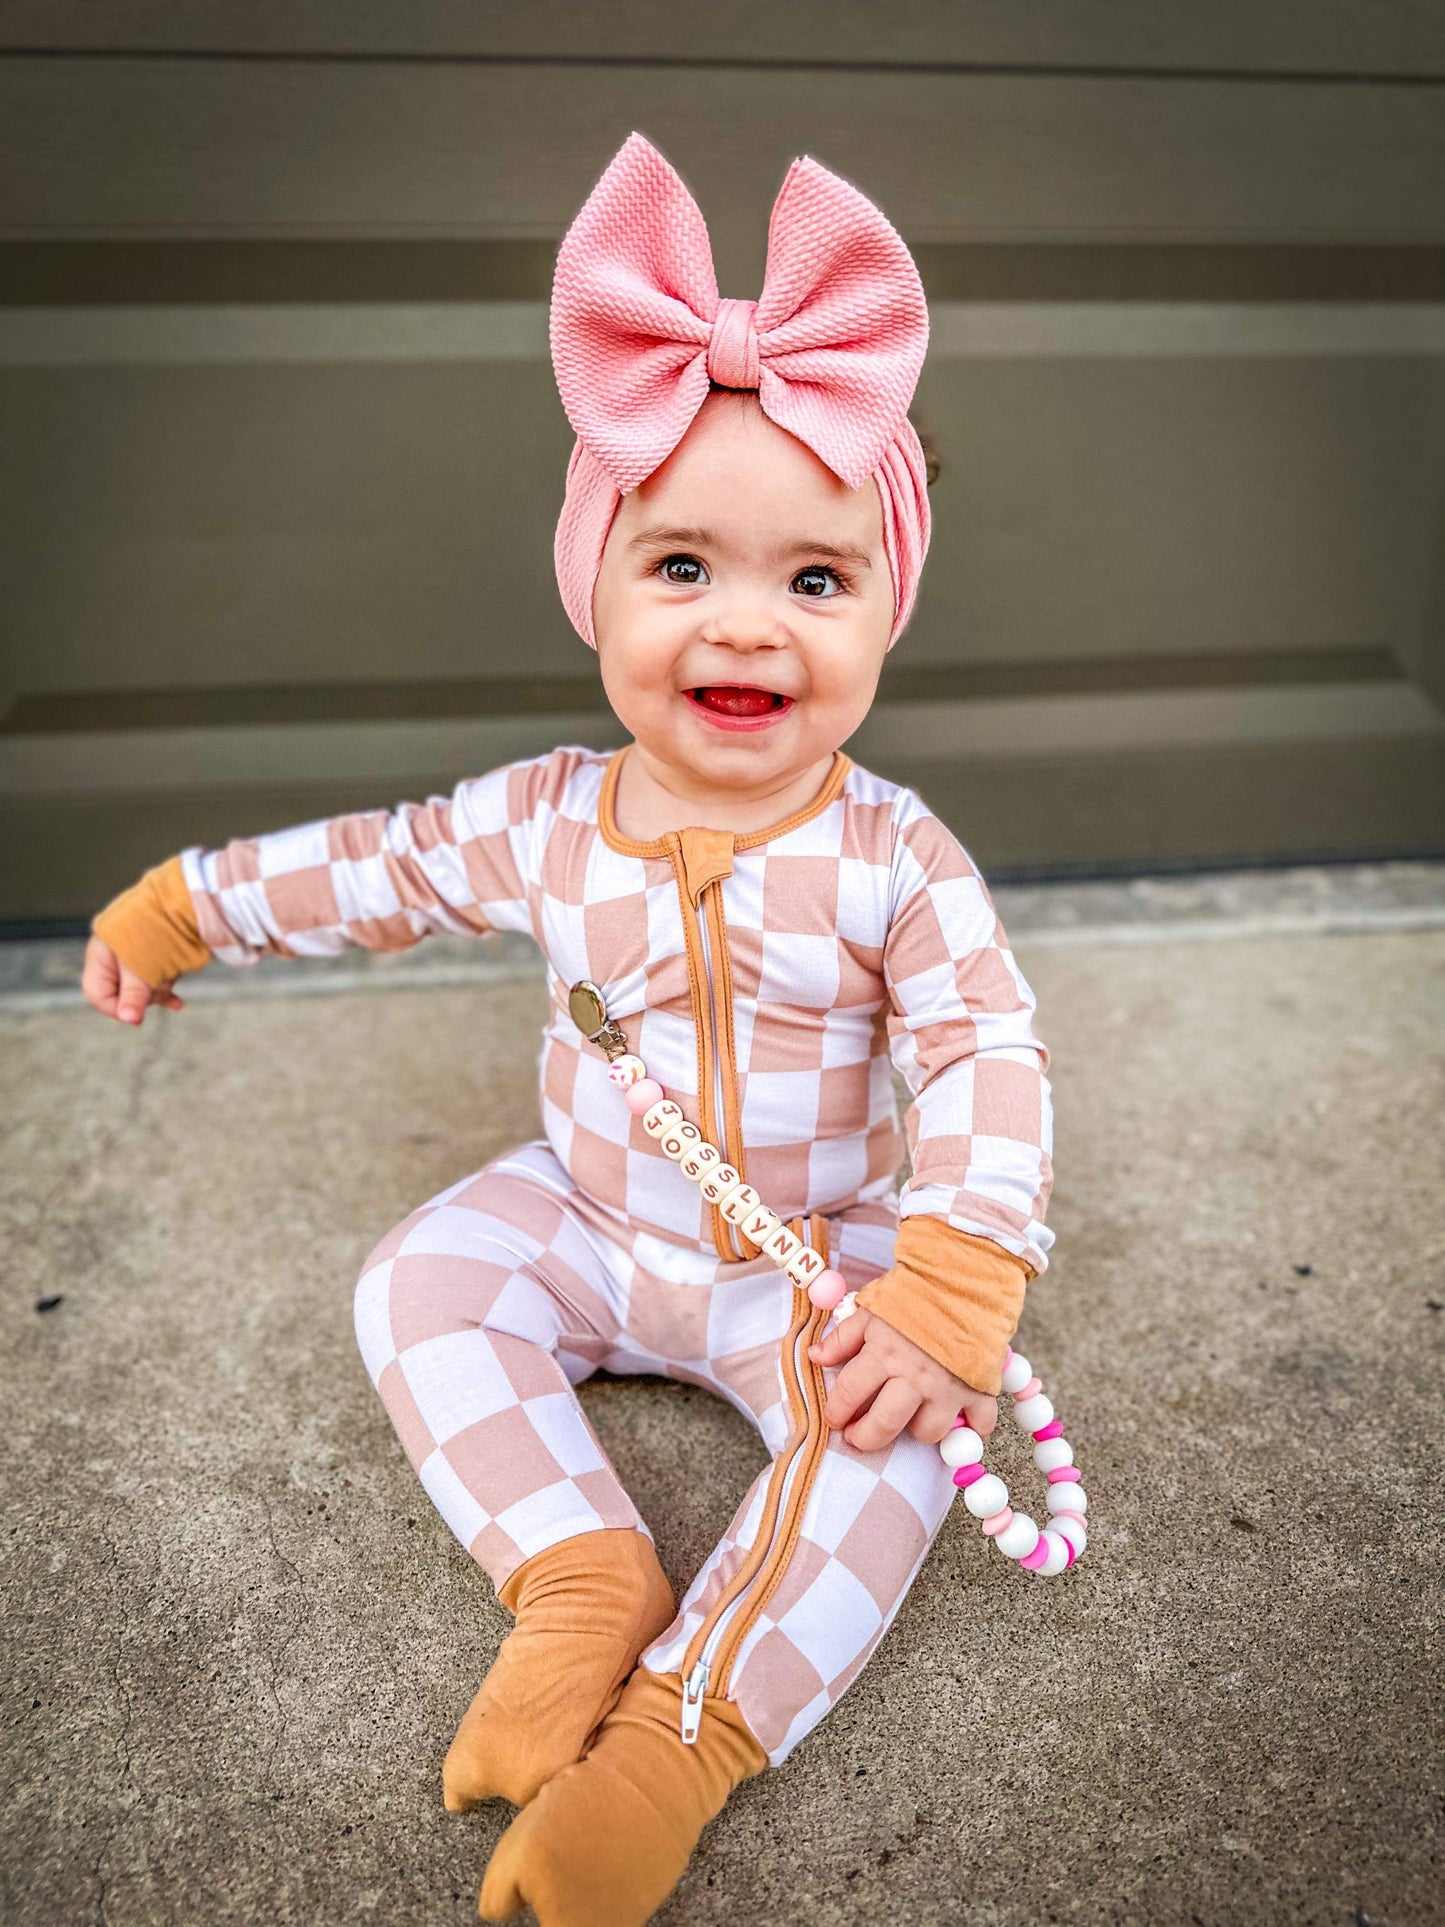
(239, 1639)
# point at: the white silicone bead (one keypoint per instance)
(1074, 1531)
(738, 1204)
(663, 1115)
(1016, 1374)
(1031, 1413)
(986, 1496)
(1019, 1536)
(1058, 1557)
(963, 1446)
(846, 1306)
(699, 1161)
(781, 1246)
(1051, 1454)
(1067, 1498)
(721, 1179)
(804, 1265)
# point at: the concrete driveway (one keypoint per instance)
(239, 1638)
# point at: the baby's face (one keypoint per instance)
(744, 603)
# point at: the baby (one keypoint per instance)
(771, 929)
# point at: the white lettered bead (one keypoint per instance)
(661, 1117)
(782, 1246)
(963, 1446)
(804, 1265)
(737, 1204)
(679, 1140)
(1016, 1374)
(1067, 1498)
(1051, 1454)
(1058, 1555)
(699, 1161)
(721, 1179)
(759, 1225)
(1073, 1530)
(1019, 1536)
(1030, 1413)
(986, 1496)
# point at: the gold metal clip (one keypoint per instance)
(589, 1013)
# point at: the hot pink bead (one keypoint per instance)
(1053, 1430)
(828, 1289)
(644, 1094)
(1008, 1354)
(959, 1420)
(1072, 1554)
(966, 1474)
(1065, 1475)
(1031, 1561)
(994, 1526)
(1031, 1390)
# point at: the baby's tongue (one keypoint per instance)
(731, 701)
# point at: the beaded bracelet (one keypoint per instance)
(1044, 1552)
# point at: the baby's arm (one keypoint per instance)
(971, 1232)
(382, 879)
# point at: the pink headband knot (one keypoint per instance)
(732, 349)
(833, 347)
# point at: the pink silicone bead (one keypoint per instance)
(1065, 1475)
(994, 1526)
(1031, 1561)
(1053, 1430)
(1008, 1355)
(643, 1095)
(959, 1420)
(828, 1289)
(1031, 1390)
(1072, 1554)
(966, 1474)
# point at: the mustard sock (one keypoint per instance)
(585, 1608)
(606, 1840)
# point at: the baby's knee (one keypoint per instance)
(371, 1302)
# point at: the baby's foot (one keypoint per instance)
(606, 1840)
(586, 1607)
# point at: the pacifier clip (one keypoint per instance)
(1045, 1551)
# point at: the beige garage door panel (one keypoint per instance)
(222, 147)
(1311, 36)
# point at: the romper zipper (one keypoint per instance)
(714, 1645)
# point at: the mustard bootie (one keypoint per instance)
(585, 1608)
(607, 1839)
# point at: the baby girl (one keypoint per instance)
(771, 929)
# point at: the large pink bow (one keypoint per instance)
(833, 345)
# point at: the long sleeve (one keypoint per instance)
(382, 879)
(980, 1131)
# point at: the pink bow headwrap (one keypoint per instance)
(833, 346)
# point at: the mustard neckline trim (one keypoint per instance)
(742, 840)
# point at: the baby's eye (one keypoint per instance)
(684, 563)
(814, 581)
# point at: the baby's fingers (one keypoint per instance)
(844, 1341)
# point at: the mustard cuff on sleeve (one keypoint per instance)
(957, 1296)
(152, 926)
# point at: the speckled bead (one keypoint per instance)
(624, 1072)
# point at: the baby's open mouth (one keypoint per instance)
(738, 702)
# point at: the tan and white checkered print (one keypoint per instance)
(860, 935)
(863, 930)
(484, 1308)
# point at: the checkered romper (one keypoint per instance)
(770, 980)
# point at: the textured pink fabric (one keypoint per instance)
(833, 346)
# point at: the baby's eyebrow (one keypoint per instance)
(708, 538)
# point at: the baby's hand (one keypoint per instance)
(906, 1387)
(118, 992)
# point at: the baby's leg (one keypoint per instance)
(784, 1615)
(476, 1316)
